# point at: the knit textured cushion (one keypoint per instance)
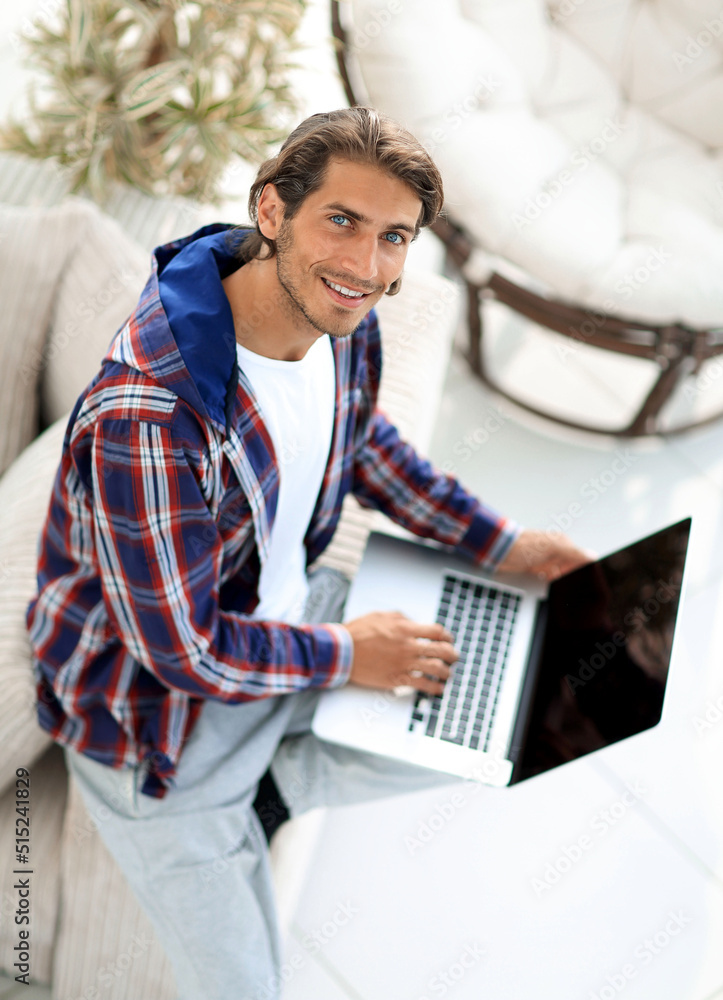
(34, 245)
(69, 277)
(98, 288)
(106, 945)
(24, 496)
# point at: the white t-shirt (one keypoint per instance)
(296, 399)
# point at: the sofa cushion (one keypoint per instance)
(24, 496)
(103, 923)
(34, 245)
(97, 290)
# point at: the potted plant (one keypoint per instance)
(160, 94)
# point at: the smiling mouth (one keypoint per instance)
(345, 293)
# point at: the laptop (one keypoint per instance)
(547, 672)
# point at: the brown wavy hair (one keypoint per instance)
(359, 134)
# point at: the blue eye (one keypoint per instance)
(340, 219)
(395, 238)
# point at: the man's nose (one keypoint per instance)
(361, 258)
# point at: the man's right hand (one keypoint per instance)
(391, 650)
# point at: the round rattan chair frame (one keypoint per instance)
(677, 350)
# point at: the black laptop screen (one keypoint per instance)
(606, 652)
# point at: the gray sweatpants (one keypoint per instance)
(221, 934)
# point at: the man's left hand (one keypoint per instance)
(546, 554)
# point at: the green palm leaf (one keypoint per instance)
(161, 94)
(149, 90)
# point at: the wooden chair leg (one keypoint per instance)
(646, 419)
(474, 328)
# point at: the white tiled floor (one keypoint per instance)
(480, 879)
(499, 902)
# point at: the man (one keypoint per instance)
(179, 648)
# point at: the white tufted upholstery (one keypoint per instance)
(579, 139)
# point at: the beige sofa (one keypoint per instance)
(68, 278)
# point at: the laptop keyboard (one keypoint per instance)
(481, 619)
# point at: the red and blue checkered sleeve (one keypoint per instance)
(160, 555)
(390, 476)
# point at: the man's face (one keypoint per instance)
(345, 246)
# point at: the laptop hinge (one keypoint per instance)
(529, 688)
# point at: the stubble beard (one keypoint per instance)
(292, 302)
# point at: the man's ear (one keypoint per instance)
(270, 212)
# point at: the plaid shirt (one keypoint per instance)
(160, 518)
